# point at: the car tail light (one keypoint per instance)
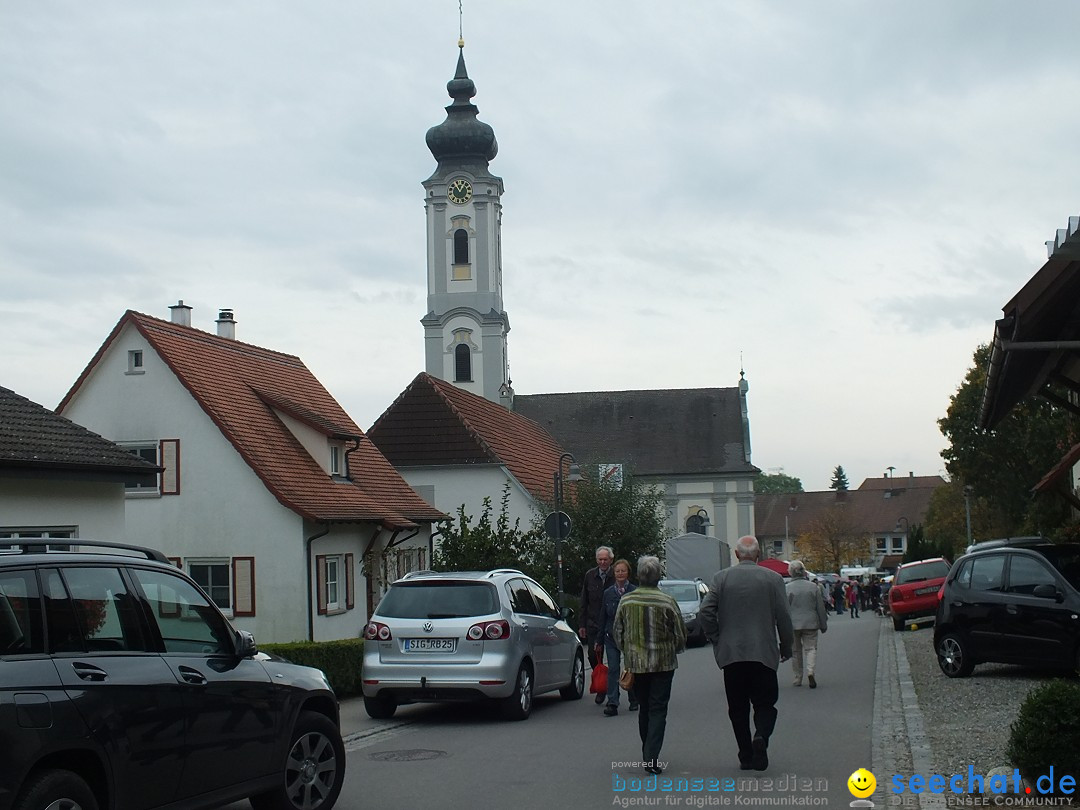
(896, 595)
(491, 631)
(941, 592)
(377, 631)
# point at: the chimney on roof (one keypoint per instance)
(226, 326)
(180, 313)
(910, 474)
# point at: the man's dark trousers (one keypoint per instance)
(750, 683)
(652, 690)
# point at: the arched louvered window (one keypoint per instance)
(462, 363)
(461, 246)
(695, 524)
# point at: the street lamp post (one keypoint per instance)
(574, 473)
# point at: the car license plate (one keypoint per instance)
(923, 591)
(430, 644)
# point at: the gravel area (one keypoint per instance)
(967, 720)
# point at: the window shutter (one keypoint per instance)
(243, 586)
(170, 460)
(350, 599)
(320, 580)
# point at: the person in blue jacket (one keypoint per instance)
(612, 595)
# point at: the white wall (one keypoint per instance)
(94, 509)
(458, 485)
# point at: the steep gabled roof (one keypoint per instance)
(33, 437)
(661, 432)
(239, 386)
(435, 423)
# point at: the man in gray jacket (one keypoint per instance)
(743, 614)
(808, 616)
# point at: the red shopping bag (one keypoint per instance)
(599, 680)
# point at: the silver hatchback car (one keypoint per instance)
(469, 635)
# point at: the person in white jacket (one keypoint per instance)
(808, 616)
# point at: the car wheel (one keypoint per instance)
(897, 623)
(954, 656)
(56, 790)
(519, 703)
(380, 708)
(314, 768)
(576, 688)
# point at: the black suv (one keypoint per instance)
(1011, 604)
(122, 686)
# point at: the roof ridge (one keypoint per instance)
(201, 335)
(632, 391)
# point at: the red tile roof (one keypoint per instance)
(872, 511)
(903, 482)
(239, 386)
(435, 423)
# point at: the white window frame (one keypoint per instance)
(135, 362)
(335, 459)
(897, 545)
(333, 564)
(225, 562)
(138, 449)
(40, 533)
(881, 545)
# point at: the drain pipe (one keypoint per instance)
(310, 615)
(353, 449)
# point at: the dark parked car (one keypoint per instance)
(914, 590)
(1011, 605)
(688, 593)
(123, 686)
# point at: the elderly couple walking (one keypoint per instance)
(746, 616)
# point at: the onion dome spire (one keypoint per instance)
(461, 138)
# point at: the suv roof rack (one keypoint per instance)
(497, 571)
(424, 573)
(1014, 542)
(40, 545)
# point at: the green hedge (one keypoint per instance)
(1046, 731)
(340, 660)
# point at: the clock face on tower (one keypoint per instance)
(459, 191)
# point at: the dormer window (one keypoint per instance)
(335, 460)
(135, 362)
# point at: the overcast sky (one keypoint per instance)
(838, 196)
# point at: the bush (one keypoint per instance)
(1047, 731)
(340, 660)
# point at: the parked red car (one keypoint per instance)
(915, 588)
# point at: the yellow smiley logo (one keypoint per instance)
(861, 783)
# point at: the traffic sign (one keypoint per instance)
(558, 525)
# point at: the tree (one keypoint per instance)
(467, 547)
(630, 519)
(832, 541)
(776, 484)
(839, 479)
(1003, 464)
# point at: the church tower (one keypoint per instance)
(465, 327)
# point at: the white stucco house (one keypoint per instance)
(58, 480)
(456, 448)
(270, 496)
